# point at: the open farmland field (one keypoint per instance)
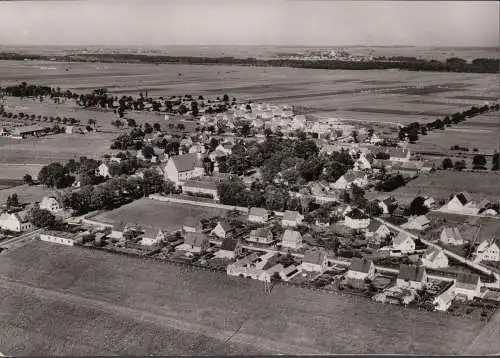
(26, 193)
(17, 171)
(323, 90)
(58, 147)
(442, 184)
(154, 213)
(76, 301)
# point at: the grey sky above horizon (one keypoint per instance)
(249, 22)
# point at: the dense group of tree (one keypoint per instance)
(412, 131)
(454, 64)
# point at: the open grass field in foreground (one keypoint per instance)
(441, 184)
(70, 300)
(158, 214)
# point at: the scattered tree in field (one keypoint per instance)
(447, 163)
(479, 161)
(495, 161)
(225, 98)
(131, 122)
(181, 126)
(147, 128)
(157, 127)
(460, 165)
(194, 108)
(27, 179)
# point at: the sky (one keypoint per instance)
(249, 22)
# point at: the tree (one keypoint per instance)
(225, 98)
(27, 179)
(91, 122)
(42, 218)
(181, 126)
(148, 152)
(157, 127)
(232, 192)
(147, 128)
(495, 161)
(100, 197)
(131, 122)
(54, 175)
(479, 161)
(169, 187)
(460, 165)
(417, 206)
(447, 163)
(12, 201)
(194, 108)
(374, 209)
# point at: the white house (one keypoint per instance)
(387, 205)
(467, 286)
(399, 155)
(261, 236)
(314, 261)
(418, 223)
(222, 230)
(377, 230)
(434, 258)
(291, 218)
(451, 236)
(429, 202)
(180, 168)
(461, 204)
(51, 203)
(412, 277)
(258, 215)
(361, 269)
(487, 250)
(444, 299)
(351, 177)
(201, 186)
(364, 162)
(153, 237)
(403, 243)
(103, 170)
(17, 222)
(252, 265)
(60, 237)
(299, 122)
(356, 219)
(291, 239)
(229, 249)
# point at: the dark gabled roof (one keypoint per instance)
(258, 212)
(290, 215)
(187, 162)
(373, 226)
(411, 273)
(261, 232)
(225, 225)
(357, 214)
(360, 265)
(315, 257)
(466, 279)
(464, 197)
(229, 244)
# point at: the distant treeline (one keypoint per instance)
(455, 64)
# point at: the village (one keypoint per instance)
(277, 197)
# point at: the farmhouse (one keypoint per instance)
(314, 261)
(222, 230)
(443, 300)
(60, 237)
(467, 286)
(399, 155)
(103, 170)
(195, 243)
(252, 265)
(180, 168)
(229, 249)
(261, 236)
(17, 221)
(153, 236)
(356, 219)
(201, 186)
(364, 162)
(258, 215)
(28, 131)
(291, 218)
(52, 203)
(403, 242)
(488, 250)
(434, 258)
(412, 277)
(360, 270)
(462, 204)
(451, 236)
(377, 230)
(351, 177)
(291, 239)
(387, 205)
(418, 223)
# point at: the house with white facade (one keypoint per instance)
(364, 162)
(180, 168)
(153, 236)
(399, 154)
(261, 236)
(356, 219)
(16, 222)
(258, 215)
(253, 265)
(360, 269)
(418, 223)
(403, 243)
(103, 171)
(488, 250)
(291, 239)
(222, 230)
(60, 237)
(412, 277)
(377, 230)
(314, 260)
(351, 177)
(443, 300)
(201, 186)
(434, 258)
(194, 243)
(230, 249)
(292, 218)
(461, 203)
(52, 203)
(451, 236)
(467, 286)
(387, 205)
(299, 122)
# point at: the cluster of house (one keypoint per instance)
(463, 204)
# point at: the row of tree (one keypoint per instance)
(478, 162)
